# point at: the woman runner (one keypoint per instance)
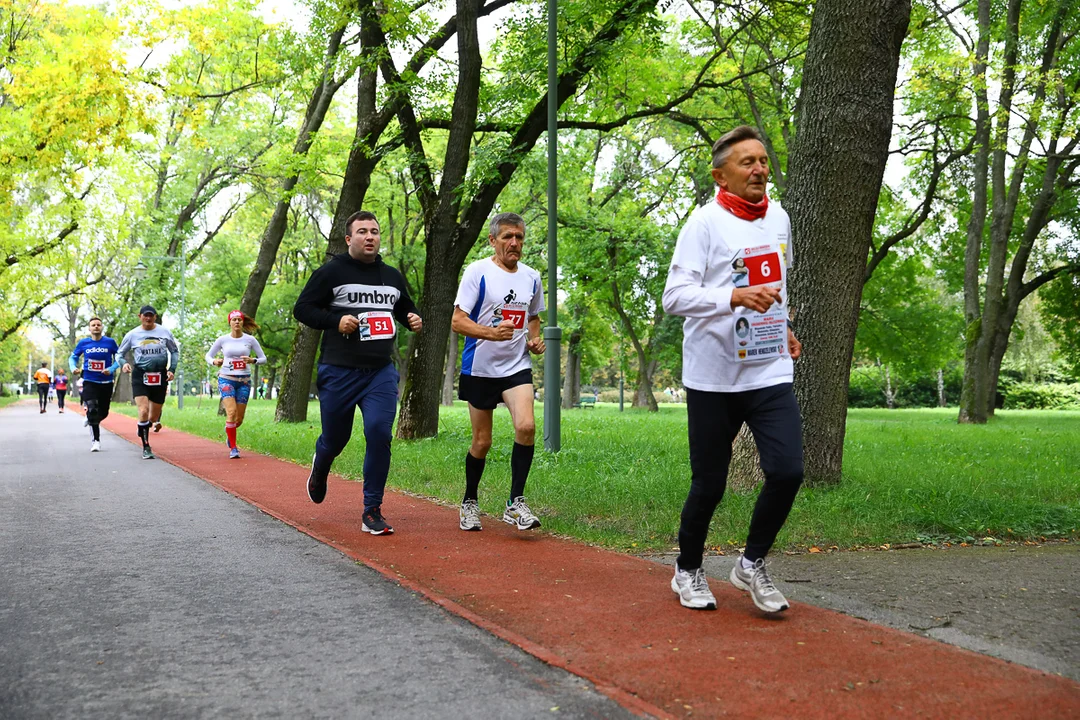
(240, 350)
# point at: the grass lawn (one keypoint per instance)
(620, 479)
(6, 400)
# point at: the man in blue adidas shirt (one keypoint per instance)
(98, 369)
(358, 302)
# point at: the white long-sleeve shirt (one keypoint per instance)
(726, 349)
(234, 348)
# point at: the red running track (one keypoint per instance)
(612, 618)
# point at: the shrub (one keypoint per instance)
(1041, 396)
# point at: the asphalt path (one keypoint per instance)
(129, 588)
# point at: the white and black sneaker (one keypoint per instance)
(692, 587)
(316, 483)
(469, 516)
(519, 515)
(757, 582)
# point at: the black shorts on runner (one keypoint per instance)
(156, 392)
(485, 393)
(100, 395)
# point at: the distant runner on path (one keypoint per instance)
(240, 350)
(497, 309)
(61, 385)
(154, 356)
(43, 378)
(100, 363)
(358, 301)
(728, 278)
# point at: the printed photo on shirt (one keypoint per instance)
(740, 276)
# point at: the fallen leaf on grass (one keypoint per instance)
(815, 549)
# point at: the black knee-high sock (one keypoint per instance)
(144, 433)
(520, 462)
(474, 469)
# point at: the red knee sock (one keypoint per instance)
(230, 432)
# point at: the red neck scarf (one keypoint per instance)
(740, 208)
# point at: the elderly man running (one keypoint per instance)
(497, 309)
(728, 278)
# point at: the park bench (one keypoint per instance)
(586, 401)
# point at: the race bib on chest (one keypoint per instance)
(96, 365)
(760, 336)
(376, 326)
(238, 364)
(151, 379)
(757, 266)
(516, 316)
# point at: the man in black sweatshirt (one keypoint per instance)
(358, 302)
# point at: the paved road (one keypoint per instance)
(129, 588)
(1021, 604)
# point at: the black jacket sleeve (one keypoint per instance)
(313, 304)
(404, 304)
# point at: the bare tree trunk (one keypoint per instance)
(744, 473)
(941, 387)
(644, 397)
(292, 401)
(890, 396)
(122, 388)
(844, 129)
(451, 370)
(423, 384)
(270, 382)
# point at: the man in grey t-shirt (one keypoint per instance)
(150, 354)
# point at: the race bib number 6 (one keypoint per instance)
(152, 378)
(764, 268)
(96, 365)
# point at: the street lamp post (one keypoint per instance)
(552, 333)
(140, 273)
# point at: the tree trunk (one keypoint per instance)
(270, 382)
(644, 397)
(451, 370)
(571, 393)
(744, 473)
(420, 401)
(844, 128)
(122, 388)
(292, 401)
(890, 396)
(941, 387)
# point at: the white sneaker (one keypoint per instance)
(95, 446)
(520, 516)
(757, 582)
(692, 587)
(469, 516)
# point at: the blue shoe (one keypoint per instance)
(234, 453)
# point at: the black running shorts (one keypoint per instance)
(485, 393)
(152, 384)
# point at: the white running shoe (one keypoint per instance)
(95, 446)
(757, 582)
(692, 587)
(519, 515)
(469, 516)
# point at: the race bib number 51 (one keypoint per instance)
(152, 378)
(376, 326)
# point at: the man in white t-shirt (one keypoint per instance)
(497, 309)
(728, 278)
